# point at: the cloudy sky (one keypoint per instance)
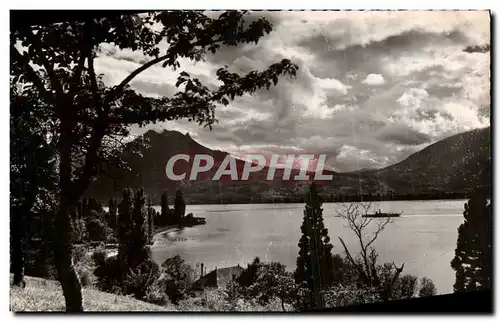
(372, 88)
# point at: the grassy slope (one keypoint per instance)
(46, 295)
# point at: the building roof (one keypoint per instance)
(225, 275)
(218, 277)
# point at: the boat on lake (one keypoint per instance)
(379, 213)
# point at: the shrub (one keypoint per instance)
(79, 231)
(156, 294)
(339, 296)
(107, 272)
(110, 235)
(87, 278)
(219, 300)
(249, 275)
(84, 266)
(96, 228)
(266, 282)
(272, 282)
(405, 287)
(210, 300)
(139, 280)
(427, 287)
(176, 278)
(79, 253)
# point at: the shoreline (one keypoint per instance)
(191, 203)
(158, 234)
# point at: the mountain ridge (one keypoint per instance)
(460, 162)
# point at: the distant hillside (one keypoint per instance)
(457, 163)
(148, 170)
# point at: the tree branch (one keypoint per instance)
(94, 88)
(391, 283)
(380, 228)
(91, 158)
(132, 75)
(85, 49)
(32, 75)
(349, 256)
(35, 42)
(149, 64)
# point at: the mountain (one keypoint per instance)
(457, 163)
(148, 170)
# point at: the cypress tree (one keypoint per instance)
(137, 250)
(150, 222)
(79, 209)
(314, 271)
(303, 276)
(85, 209)
(473, 256)
(124, 227)
(179, 207)
(164, 209)
(112, 208)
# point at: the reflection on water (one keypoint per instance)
(424, 237)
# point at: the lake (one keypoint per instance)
(424, 237)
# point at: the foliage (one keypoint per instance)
(138, 251)
(80, 234)
(179, 207)
(140, 279)
(165, 211)
(124, 226)
(427, 288)
(88, 207)
(155, 294)
(112, 216)
(108, 272)
(56, 64)
(150, 221)
(96, 229)
(218, 300)
(85, 266)
(339, 296)
(473, 255)
(32, 170)
(38, 253)
(405, 287)
(176, 278)
(131, 271)
(265, 282)
(249, 275)
(315, 261)
(274, 281)
(232, 291)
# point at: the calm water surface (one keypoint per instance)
(424, 237)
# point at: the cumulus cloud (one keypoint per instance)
(372, 88)
(374, 80)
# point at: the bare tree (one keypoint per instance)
(365, 263)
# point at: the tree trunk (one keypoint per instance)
(63, 256)
(16, 244)
(283, 305)
(20, 216)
